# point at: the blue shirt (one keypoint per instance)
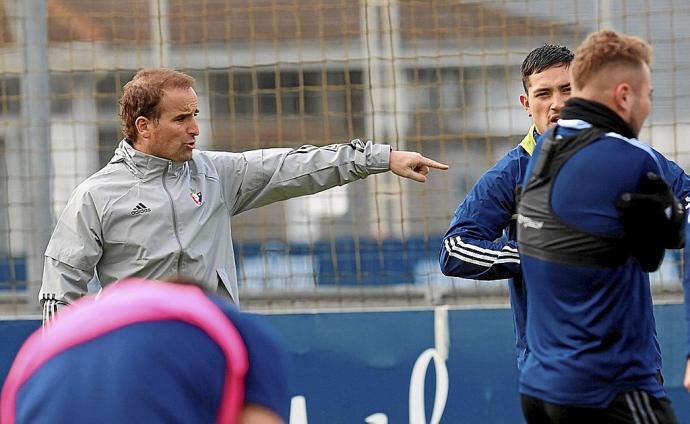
(177, 379)
(481, 240)
(591, 331)
(686, 285)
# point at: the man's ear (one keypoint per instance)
(524, 101)
(623, 97)
(143, 125)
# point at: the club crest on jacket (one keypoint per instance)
(196, 197)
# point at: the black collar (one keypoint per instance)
(598, 115)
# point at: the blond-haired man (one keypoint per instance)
(594, 218)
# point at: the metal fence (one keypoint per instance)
(436, 76)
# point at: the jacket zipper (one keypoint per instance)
(174, 219)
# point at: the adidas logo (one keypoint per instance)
(139, 209)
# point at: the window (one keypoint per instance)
(298, 92)
(9, 96)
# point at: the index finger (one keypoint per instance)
(432, 163)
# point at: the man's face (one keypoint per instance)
(641, 100)
(173, 135)
(547, 92)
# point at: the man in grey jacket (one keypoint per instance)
(162, 208)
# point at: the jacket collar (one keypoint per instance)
(529, 141)
(598, 115)
(142, 164)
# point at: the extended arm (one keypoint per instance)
(270, 175)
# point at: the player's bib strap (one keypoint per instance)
(133, 301)
(610, 258)
(544, 235)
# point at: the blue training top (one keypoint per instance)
(481, 240)
(686, 286)
(152, 370)
(591, 331)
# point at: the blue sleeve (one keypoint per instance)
(686, 289)
(675, 177)
(266, 383)
(473, 246)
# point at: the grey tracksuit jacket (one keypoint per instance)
(153, 218)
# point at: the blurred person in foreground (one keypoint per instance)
(162, 208)
(481, 242)
(595, 216)
(149, 352)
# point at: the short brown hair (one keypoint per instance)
(607, 48)
(143, 94)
